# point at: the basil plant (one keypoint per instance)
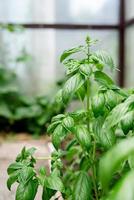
(94, 145)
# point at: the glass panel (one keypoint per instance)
(46, 46)
(129, 9)
(108, 41)
(36, 72)
(129, 79)
(60, 11)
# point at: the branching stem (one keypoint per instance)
(93, 138)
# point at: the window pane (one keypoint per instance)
(60, 11)
(46, 47)
(129, 9)
(129, 79)
(108, 41)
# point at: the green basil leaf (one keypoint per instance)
(27, 191)
(111, 98)
(69, 52)
(25, 153)
(12, 178)
(81, 92)
(127, 122)
(82, 189)
(103, 79)
(26, 174)
(68, 123)
(71, 86)
(85, 164)
(104, 58)
(52, 126)
(124, 189)
(118, 154)
(58, 96)
(107, 138)
(79, 114)
(58, 135)
(58, 118)
(116, 115)
(14, 166)
(85, 69)
(83, 136)
(54, 182)
(97, 126)
(98, 103)
(72, 66)
(47, 193)
(42, 176)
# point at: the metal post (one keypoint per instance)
(122, 43)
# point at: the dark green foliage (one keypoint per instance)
(19, 112)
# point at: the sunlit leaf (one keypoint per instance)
(69, 52)
(83, 136)
(58, 135)
(103, 79)
(104, 58)
(82, 189)
(118, 154)
(72, 85)
(124, 189)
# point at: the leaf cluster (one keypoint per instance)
(94, 146)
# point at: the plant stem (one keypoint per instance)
(94, 141)
(44, 158)
(88, 103)
(94, 170)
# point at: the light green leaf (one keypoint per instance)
(58, 117)
(26, 174)
(82, 189)
(14, 166)
(54, 182)
(124, 189)
(103, 79)
(27, 191)
(58, 96)
(68, 123)
(85, 69)
(12, 178)
(116, 115)
(58, 135)
(112, 98)
(79, 114)
(98, 103)
(107, 138)
(69, 52)
(127, 122)
(72, 85)
(52, 126)
(72, 66)
(81, 92)
(104, 58)
(111, 161)
(83, 136)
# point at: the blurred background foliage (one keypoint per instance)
(19, 111)
(30, 71)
